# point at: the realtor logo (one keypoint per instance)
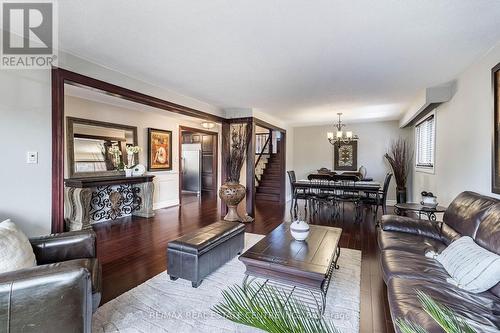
(28, 35)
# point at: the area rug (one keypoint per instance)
(161, 305)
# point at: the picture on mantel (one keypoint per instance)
(346, 156)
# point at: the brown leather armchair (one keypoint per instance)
(58, 295)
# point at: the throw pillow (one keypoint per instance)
(15, 249)
(470, 266)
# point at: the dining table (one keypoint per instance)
(361, 187)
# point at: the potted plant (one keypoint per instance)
(399, 157)
(131, 152)
(232, 192)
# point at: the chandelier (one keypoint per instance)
(340, 136)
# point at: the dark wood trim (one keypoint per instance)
(76, 79)
(250, 172)
(196, 130)
(240, 120)
(57, 222)
(495, 188)
(215, 162)
(283, 168)
(225, 149)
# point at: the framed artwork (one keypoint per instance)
(495, 172)
(346, 156)
(159, 150)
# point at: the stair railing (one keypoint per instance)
(263, 150)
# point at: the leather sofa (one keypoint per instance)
(403, 242)
(60, 293)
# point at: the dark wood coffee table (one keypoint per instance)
(300, 266)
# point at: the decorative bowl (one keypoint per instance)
(429, 201)
(299, 230)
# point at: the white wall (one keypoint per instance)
(166, 182)
(464, 128)
(311, 149)
(25, 125)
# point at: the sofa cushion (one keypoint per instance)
(411, 226)
(482, 311)
(15, 248)
(391, 240)
(465, 212)
(396, 263)
(488, 235)
(488, 232)
(470, 266)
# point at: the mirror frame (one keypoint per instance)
(70, 146)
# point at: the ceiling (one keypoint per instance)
(299, 61)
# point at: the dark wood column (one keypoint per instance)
(282, 147)
(250, 203)
(225, 149)
(57, 223)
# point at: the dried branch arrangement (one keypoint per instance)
(399, 157)
(239, 137)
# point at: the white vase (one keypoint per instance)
(128, 172)
(130, 160)
(299, 230)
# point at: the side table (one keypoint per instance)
(430, 212)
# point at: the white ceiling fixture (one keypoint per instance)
(299, 61)
(208, 124)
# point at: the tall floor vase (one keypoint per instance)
(232, 193)
(401, 195)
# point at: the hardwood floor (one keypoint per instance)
(132, 250)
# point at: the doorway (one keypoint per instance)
(198, 165)
(61, 79)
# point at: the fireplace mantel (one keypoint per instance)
(94, 199)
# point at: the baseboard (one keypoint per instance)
(391, 202)
(165, 204)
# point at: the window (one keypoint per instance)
(425, 132)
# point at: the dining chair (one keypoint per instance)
(297, 194)
(348, 194)
(320, 196)
(378, 198)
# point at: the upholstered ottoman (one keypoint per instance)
(193, 256)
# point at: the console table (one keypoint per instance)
(95, 199)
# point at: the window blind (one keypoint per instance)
(425, 132)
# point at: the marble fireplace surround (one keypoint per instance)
(89, 200)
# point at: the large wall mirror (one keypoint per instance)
(97, 148)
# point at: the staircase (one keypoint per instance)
(268, 187)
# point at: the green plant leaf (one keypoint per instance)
(271, 309)
(444, 317)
